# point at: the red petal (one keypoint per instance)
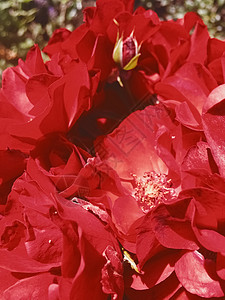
(112, 274)
(213, 124)
(193, 273)
(125, 213)
(135, 135)
(30, 288)
(171, 232)
(162, 264)
(199, 42)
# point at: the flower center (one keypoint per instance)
(152, 189)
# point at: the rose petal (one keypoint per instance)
(194, 275)
(30, 288)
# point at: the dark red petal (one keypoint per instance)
(147, 244)
(12, 164)
(162, 264)
(171, 232)
(164, 290)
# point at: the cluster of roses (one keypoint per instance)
(113, 162)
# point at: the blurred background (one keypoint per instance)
(25, 22)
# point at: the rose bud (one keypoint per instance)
(126, 52)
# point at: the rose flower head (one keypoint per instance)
(126, 51)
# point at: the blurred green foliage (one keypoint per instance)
(25, 22)
(211, 11)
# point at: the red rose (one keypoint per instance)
(31, 246)
(44, 93)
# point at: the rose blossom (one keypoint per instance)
(91, 40)
(143, 215)
(45, 93)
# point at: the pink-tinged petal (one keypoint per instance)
(112, 274)
(172, 232)
(197, 276)
(126, 213)
(13, 89)
(9, 111)
(35, 287)
(213, 124)
(53, 292)
(182, 294)
(220, 265)
(135, 135)
(163, 266)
